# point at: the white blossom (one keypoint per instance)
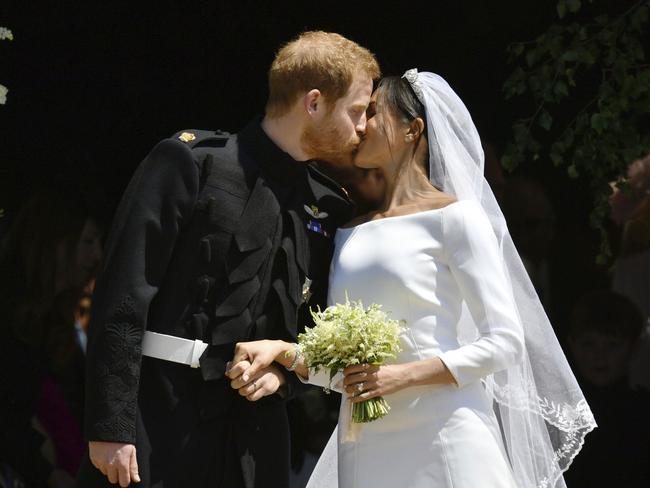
(348, 334)
(6, 34)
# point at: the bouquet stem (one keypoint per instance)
(370, 410)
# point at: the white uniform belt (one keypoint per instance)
(172, 348)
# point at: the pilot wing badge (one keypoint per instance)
(313, 211)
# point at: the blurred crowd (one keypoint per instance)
(51, 253)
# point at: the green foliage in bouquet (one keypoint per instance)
(349, 334)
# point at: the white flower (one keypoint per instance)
(347, 334)
(6, 34)
(3, 94)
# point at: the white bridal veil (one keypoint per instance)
(542, 412)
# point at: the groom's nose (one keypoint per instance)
(361, 126)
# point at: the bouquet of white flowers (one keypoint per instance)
(348, 334)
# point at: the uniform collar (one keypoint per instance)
(274, 162)
(287, 175)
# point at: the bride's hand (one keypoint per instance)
(365, 381)
(251, 357)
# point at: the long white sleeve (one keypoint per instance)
(475, 263)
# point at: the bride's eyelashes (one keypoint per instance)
(371, 110)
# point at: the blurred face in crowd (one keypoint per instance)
(78, 265)
(530, 218)
(602, 359)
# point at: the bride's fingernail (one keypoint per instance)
(245, 377)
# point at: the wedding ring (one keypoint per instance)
(254, 386)
(360, 387)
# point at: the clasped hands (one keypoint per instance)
(254, 372)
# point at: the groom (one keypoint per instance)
(219, 239)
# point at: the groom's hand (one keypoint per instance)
(116, 461)
(260, 354)
(263, 383)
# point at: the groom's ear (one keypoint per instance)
(312, 101)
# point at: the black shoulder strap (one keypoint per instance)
(221, 166)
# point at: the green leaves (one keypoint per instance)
(545, 120)
(5, 35)
(567, 5)
(347, 334)
(573, 5)
(561, 89)
(598, 66)
(639, 17)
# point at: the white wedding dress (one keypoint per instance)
(425, 269)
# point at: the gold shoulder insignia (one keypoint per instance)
(187, 137)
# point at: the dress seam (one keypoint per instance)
(443, 443)
(408, 327)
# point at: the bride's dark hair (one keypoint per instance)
(397, 96)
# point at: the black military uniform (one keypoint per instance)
(219, 238)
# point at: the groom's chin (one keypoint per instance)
(359, 161)
(340, 170)
(341, 160)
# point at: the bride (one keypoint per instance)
(481, 394)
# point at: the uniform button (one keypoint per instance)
(306, 289)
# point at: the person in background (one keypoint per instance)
(631, 211)
(531, 220)
(50, 253)
(603, 335)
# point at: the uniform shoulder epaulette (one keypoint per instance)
(202, 138)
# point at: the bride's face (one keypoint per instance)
(381, 144)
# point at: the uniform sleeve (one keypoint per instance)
(477, 266)
(157, 203)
